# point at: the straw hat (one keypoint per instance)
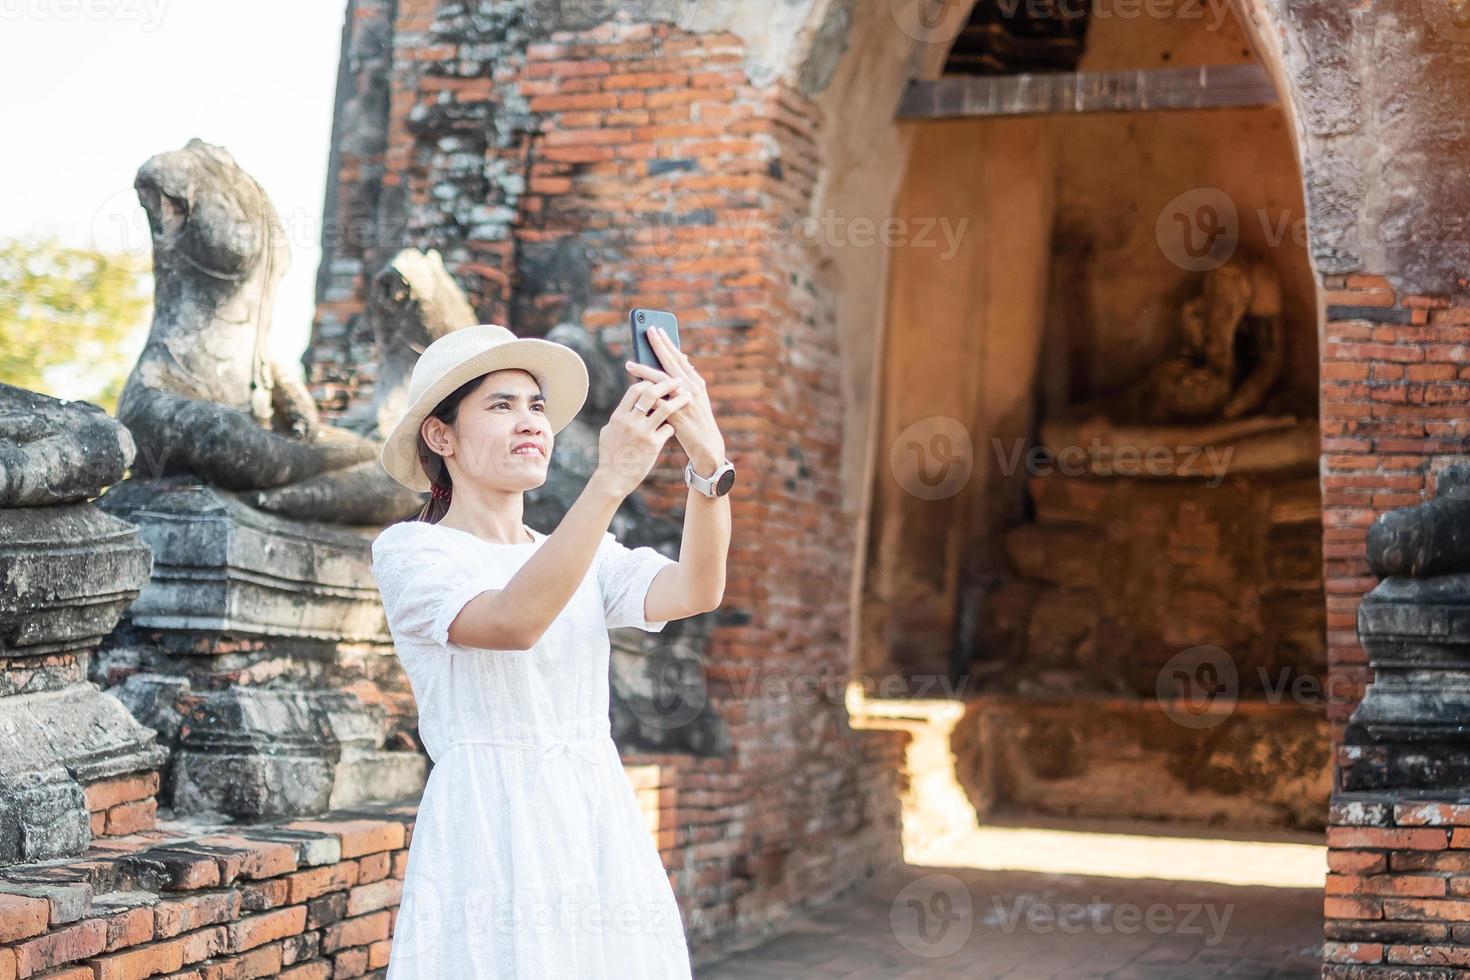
(465, 354)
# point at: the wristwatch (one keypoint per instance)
(716, 484)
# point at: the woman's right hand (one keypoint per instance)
(630, 443)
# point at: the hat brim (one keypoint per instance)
(559, 370)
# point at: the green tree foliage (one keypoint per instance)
(71, 320)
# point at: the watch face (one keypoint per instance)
(727, 480)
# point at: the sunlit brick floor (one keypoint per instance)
(1064, 901)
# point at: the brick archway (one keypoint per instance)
(1385, 212)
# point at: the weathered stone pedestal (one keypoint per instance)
(1118, 574)
(67, 751)
(1401, 819)
(73, 763)
(1412, 728)
(260, 652)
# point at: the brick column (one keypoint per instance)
(1393, 394)
(1394, 389)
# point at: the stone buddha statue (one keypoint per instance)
(206, 399)
(1229, 353)
(1208, 391)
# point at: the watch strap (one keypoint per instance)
(705, 485)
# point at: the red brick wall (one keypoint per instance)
(1394, 388)
(1398, 894)
(321, 901)
(357, 221)
(124, 805)
(239, 903)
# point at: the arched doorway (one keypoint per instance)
(1115, 539)
(1061, 293)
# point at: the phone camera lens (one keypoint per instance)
(641, 318)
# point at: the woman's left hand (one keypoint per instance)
(694, 424)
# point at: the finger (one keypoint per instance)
(668, 387)
(679, 355)
(656, 393)
(667, 407)
(644, 371)
(650, 398)
(680, 402)
(628, 398)
(635, 395)
(686, 368)
(671, 357)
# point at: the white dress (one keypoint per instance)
(530, 858)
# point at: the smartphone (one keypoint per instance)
(640, 320)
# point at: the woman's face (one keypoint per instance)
(505, 413)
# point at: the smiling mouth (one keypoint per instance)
(528, 452)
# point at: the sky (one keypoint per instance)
(95, 87)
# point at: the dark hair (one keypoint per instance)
(441, 486)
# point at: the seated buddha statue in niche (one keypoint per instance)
(1209, 390)
(1229, 353)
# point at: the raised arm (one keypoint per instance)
(515, 617)
(697, 583)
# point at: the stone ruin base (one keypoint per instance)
(74, 764)
(318, 897)
(1398, 887)
(259, 652)
(1117, 576)
(305, 899)
(1263, 766)
(740, 872)
(1250, 765)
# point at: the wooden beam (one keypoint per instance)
(1054, 93)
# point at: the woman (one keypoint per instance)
(529, 856)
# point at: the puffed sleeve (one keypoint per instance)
(424, 583)
(624, 575)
